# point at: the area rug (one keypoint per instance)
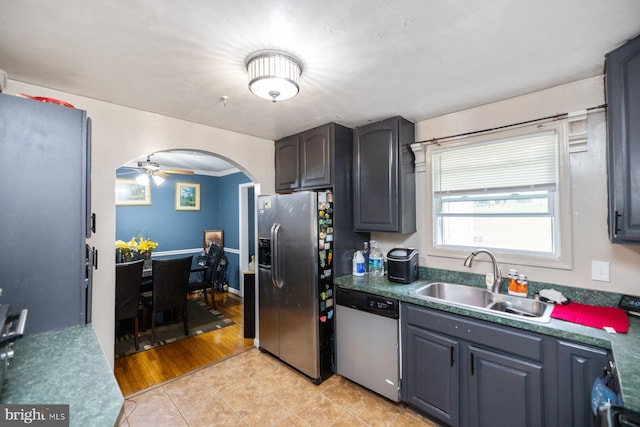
(202, 318)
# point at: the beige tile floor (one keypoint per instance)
(254, 389)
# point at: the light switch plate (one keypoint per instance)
(600, 271)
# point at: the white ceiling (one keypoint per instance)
(195, 161)
(363, 60)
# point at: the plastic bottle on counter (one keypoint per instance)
(523, 285)
(376, 259)
(358, 264)
(513, 282)
(365, 254)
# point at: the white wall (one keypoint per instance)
(121, 134)
(588, 188)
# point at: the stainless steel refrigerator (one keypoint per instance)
(301, 247)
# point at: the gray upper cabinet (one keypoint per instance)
(623, 123)
(287, 164)
(315, 157)
(384, 177)
(312, 159)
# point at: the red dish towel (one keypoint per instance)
(592, 315)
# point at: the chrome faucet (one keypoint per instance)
(497, 275)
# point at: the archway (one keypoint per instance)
(236, 242)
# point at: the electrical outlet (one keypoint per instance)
(600, 271)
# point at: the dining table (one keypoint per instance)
(147, 276)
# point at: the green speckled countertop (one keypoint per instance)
(65, 366)
(624, 347)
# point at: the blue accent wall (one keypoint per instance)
(175, 230)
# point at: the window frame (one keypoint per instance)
(563, 258)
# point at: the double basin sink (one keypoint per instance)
(487, 301)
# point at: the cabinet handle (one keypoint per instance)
(95, 258)
(452, 359)
(473, 368)
(93, 222)
(616, 229)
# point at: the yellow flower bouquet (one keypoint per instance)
(138, 245)
(146, 246)
(126, 248)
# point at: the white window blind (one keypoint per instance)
(528, 162)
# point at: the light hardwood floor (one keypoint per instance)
(148, 368)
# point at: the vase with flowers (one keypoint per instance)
(137, 248)
(145, 247)
(125, 250)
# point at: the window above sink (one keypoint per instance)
(507, 191)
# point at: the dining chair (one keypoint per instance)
(170, 280)
(210, 275)
(128, 279)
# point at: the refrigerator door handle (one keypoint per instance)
(275, 270)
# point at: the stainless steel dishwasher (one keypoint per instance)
(367, 347)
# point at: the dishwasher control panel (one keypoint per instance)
(381, 303)
(375, 304)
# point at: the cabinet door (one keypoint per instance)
(315, 158)
(578, 367)
(431, 374)
(376, 177)
(623, 124)
(43, 190)
(504, 391)
(287, 164)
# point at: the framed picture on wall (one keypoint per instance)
(213, 237)
(130, 192)
(187, 196)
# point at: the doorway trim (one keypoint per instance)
(243, 232)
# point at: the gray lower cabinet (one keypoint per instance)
(578, 366)
(468, 372)
(432, 379)
(384, 177)
(623, 145)
(504, 390)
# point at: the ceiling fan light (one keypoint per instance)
(142, 179)
(274, 75)
(158, 179)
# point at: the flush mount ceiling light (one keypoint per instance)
(274, 75)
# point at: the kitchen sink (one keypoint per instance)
(487, 301)
(461, 294)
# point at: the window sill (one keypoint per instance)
(510, 259)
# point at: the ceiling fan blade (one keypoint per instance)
(162, 174)
(176, 172)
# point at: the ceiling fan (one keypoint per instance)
(149, 169)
